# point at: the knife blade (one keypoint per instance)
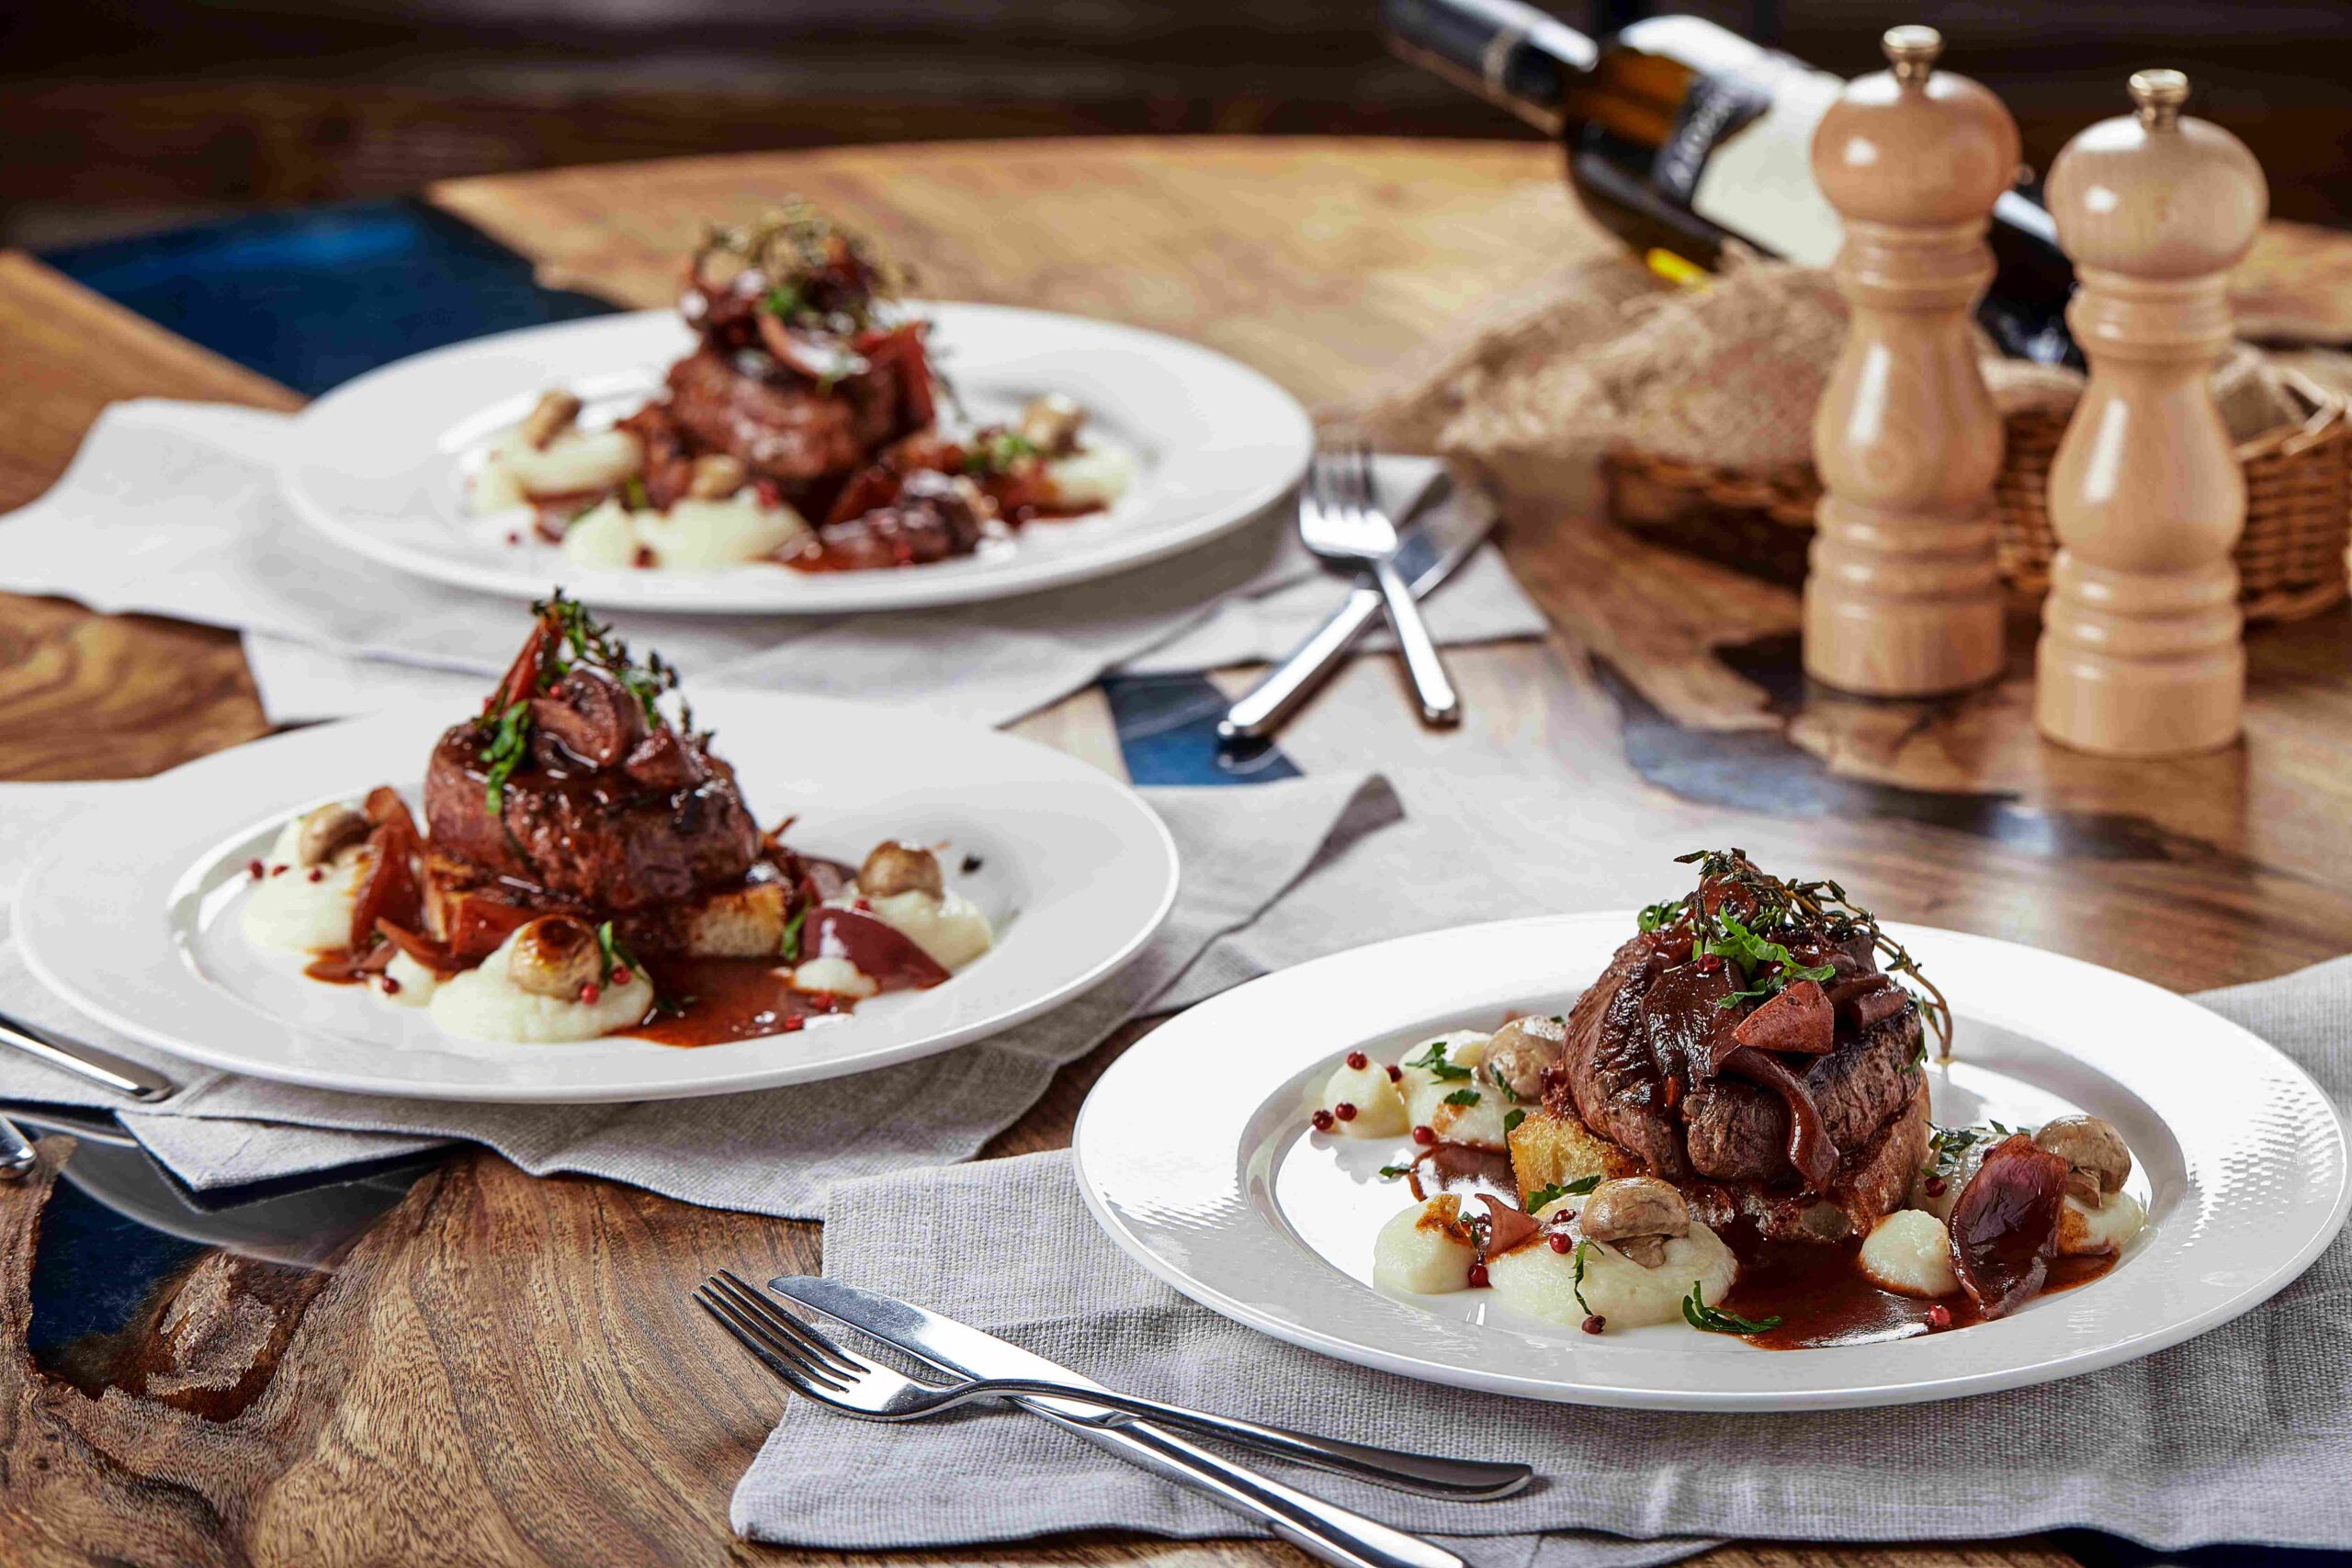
(1456, 523)
(1325, 1531)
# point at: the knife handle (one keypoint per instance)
(1274, 699)
(1325, 1531)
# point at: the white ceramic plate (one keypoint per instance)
(378, 464)
(1194, 1153)
(132, 914)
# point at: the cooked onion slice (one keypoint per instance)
(2005, 1225)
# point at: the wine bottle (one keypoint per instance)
(1682, 136)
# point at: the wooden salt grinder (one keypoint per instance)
(1904, 595)
(2141, 649)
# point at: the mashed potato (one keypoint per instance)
(834, 976)
(1379, 1109)
(486, 1004)
(1537, 1282)
(413, 984)
(1444, 1092)
(572, 461)
(2084, 1230)
(1426, 1250)
(948, 927)
(1909, 1253)
(1096, 477)
(693, 535)
(287, 910)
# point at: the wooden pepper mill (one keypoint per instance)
(2142, 650)
(1904, 595)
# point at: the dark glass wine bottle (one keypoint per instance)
(1681, 136)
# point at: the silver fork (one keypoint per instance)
(1340, 518)
(819, 1368)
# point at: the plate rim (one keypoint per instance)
(2041, 1368)
(738, 593)
(49, 863)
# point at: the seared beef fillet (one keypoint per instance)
(608, 838)
(793, 432)
(1642, 1040)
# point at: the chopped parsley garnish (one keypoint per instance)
(1556, 1190)
(1948, 1147)
(1391, 1172)
(633, 492)
(1465, 1096)
(1768, 965)
(1576, 1286)
(1433, 1061)
(785, 302)
(998, 451)
(789, 950)
(509, 740)
(1699, 1314)
(1511, 1118)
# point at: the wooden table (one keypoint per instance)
(506, 1371)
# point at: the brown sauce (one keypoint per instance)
(1822, 1298)
(748, 998)
(338, 968)
(1444, 1167)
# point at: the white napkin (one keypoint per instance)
(772, 1151)
(172, 509)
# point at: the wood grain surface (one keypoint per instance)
(506, 1371)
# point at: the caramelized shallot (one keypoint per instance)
(2005, 1225)
(1799, 1020)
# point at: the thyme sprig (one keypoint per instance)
(1779, 906)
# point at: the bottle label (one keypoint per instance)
(1741, 156)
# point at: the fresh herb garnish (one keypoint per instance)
(615, 955)
(1553, 1191)
(789, 949)
(1511, 1118)
(633, 492)
(1576, 1286)
(1699, 1314)
(1768, 966)
(998, 451)
(1948, 1147)
(1465, 1096)
(1771, 907)
(509, 738)
(1433, 1061)
(784, 300)
(1391, 1172)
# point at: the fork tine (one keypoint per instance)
(820, 1344)
(749, 1323)
(1318, 484)
(790, 1372)
(1366, 479)
(811, 1345)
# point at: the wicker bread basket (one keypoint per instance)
(2291, 559)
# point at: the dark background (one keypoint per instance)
(118, 115)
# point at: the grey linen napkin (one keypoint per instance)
(172, 509)
(772, 1151)
(2244, 1435)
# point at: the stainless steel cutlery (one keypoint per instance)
(1341, 519)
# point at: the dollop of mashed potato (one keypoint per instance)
(1095, 477)
(692, 535)
(573, 460)
(1379, 1109)
(1537, 1282)
(1909, 1253)
(1426, 1250)
(413, 984)
(947, 926)
(834, 976)
(1444, 1090)
(285, 910)
(2085, 1231)
(486, 1004)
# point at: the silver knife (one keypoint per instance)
(1426, 556)
(1324, 1530)
(86, 1062)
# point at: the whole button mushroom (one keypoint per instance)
(1519, 1052)
(556, 956)
(2094, 1151)
(1637, 1216)
(897, 867)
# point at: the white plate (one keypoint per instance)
(1194, 1152)
(132, 914)
(378, 464)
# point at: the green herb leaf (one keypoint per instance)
(1576, 1189)
(1700, 1315)
(1576, 1286)
(509, 740)
(785, 302)
(789, 950)
(1463, 1097)
(1433, 1061)
(1391, 1172)
(1511, 1118)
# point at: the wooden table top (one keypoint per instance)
(504, 1369)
